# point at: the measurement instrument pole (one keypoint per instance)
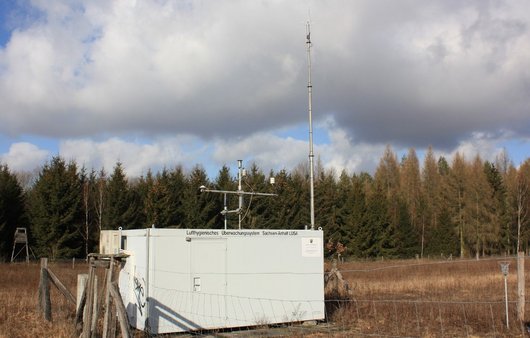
(311, 155)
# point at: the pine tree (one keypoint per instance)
(121, 202)
(412, 197)
(177, 188)
(342, 230)
(405, 234)
(357, 205)
(225, 182)
(431, 198)
(55, 210)
(387, 178)
(160, 201)
(456, 194)
(376, 235)
(479, 211)
(445, 243)
(255, 208)
(498, 190)
(12, 209)
(411, 185)
(388, 183)
(326, 200)
(199, 208)
(285, 208)
(298, 192)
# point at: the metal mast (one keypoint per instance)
(239, 192)
(311, 155)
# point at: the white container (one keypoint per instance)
(178, 280)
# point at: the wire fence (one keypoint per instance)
(343, 317)
(458, 298)
(412, 318)
(426, 298)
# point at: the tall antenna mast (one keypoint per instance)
(311, 155)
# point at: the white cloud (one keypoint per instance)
(227, 73)
(24, 156)
(342, 154)
(274, 152)
(265, 149)
(137, 157)
(487, 146)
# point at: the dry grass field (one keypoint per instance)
(18, 301)
(389, 298)
(458, 298)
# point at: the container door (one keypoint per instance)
(208, 282)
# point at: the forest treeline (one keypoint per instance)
(458, 206)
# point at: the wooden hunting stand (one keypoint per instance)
(21, 238)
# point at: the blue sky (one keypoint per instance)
(161, 83)
(5, 32)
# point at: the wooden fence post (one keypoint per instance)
(45, 304)
(81, 299)
(108, 312)
(89, 306)
(95, 307)
(120, 308)
(60, 286)
(82, 279)
(520, 287)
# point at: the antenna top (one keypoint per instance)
(308, 36)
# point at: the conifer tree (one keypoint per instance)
(121, 202)
(12, 209)
(326, 201)
(405, 234)
(480, 207)
(387, 178)
(412, 197)
(299, 214)
(200, 211)
(374, 236)
(55, 210)
(160, 200)
(411, 185)
(357, 205)
(498, 198)
(445, 238)
(177, 188)
(285, 207)
(456, 194)
(254, 207)
(342, 229)
(431, 198)
(224, 181)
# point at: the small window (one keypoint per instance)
(123, 244)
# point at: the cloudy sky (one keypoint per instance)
(159, 83)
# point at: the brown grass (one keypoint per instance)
(390, 298)
(18, 301)
(429, 298)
